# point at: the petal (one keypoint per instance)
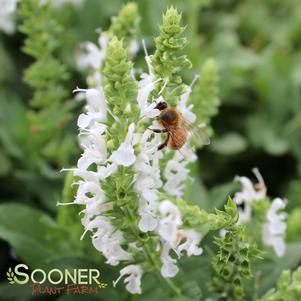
(124, 155)
(105, 171)
(83, 120)
(277, 227)
(96, 99)
(143, 94)
(147, 223)
(280, 247)
(169, 269)
(129, 136)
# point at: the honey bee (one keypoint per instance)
(178, 130)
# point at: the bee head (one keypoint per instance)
(161, 106)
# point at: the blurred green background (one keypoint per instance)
(257, 45)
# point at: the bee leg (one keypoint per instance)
(161, 146)
(158, 130)
(164, 144)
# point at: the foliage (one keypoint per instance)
(288, 287)
(47, 76)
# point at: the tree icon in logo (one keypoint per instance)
(10, 276)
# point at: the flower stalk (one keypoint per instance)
(132, 191)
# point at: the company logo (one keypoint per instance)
(57, 281)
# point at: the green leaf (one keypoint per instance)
(219, 194)
(34, 235)
(293, 233)
(16, 292)
(196, 193)
(229, 144)
(271, 267)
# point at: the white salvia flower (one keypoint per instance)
(245, 214)
(147, 222)
(89, 56)
(91, 129)
(146, 85)
(147, 212)
(7, 14)
(169, 268)
(185, 110)
(95, 151)
(176, 174)
(99, 207)
(96, 107)
(133, 280)
(191, 239)
(249, 194)
(108, 240)
(274, 228)
(169, 222)
(105, 171)
(89, 192)
(125, 155)
(147, 186)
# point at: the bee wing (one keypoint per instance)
(185, 150)
(197, 135)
